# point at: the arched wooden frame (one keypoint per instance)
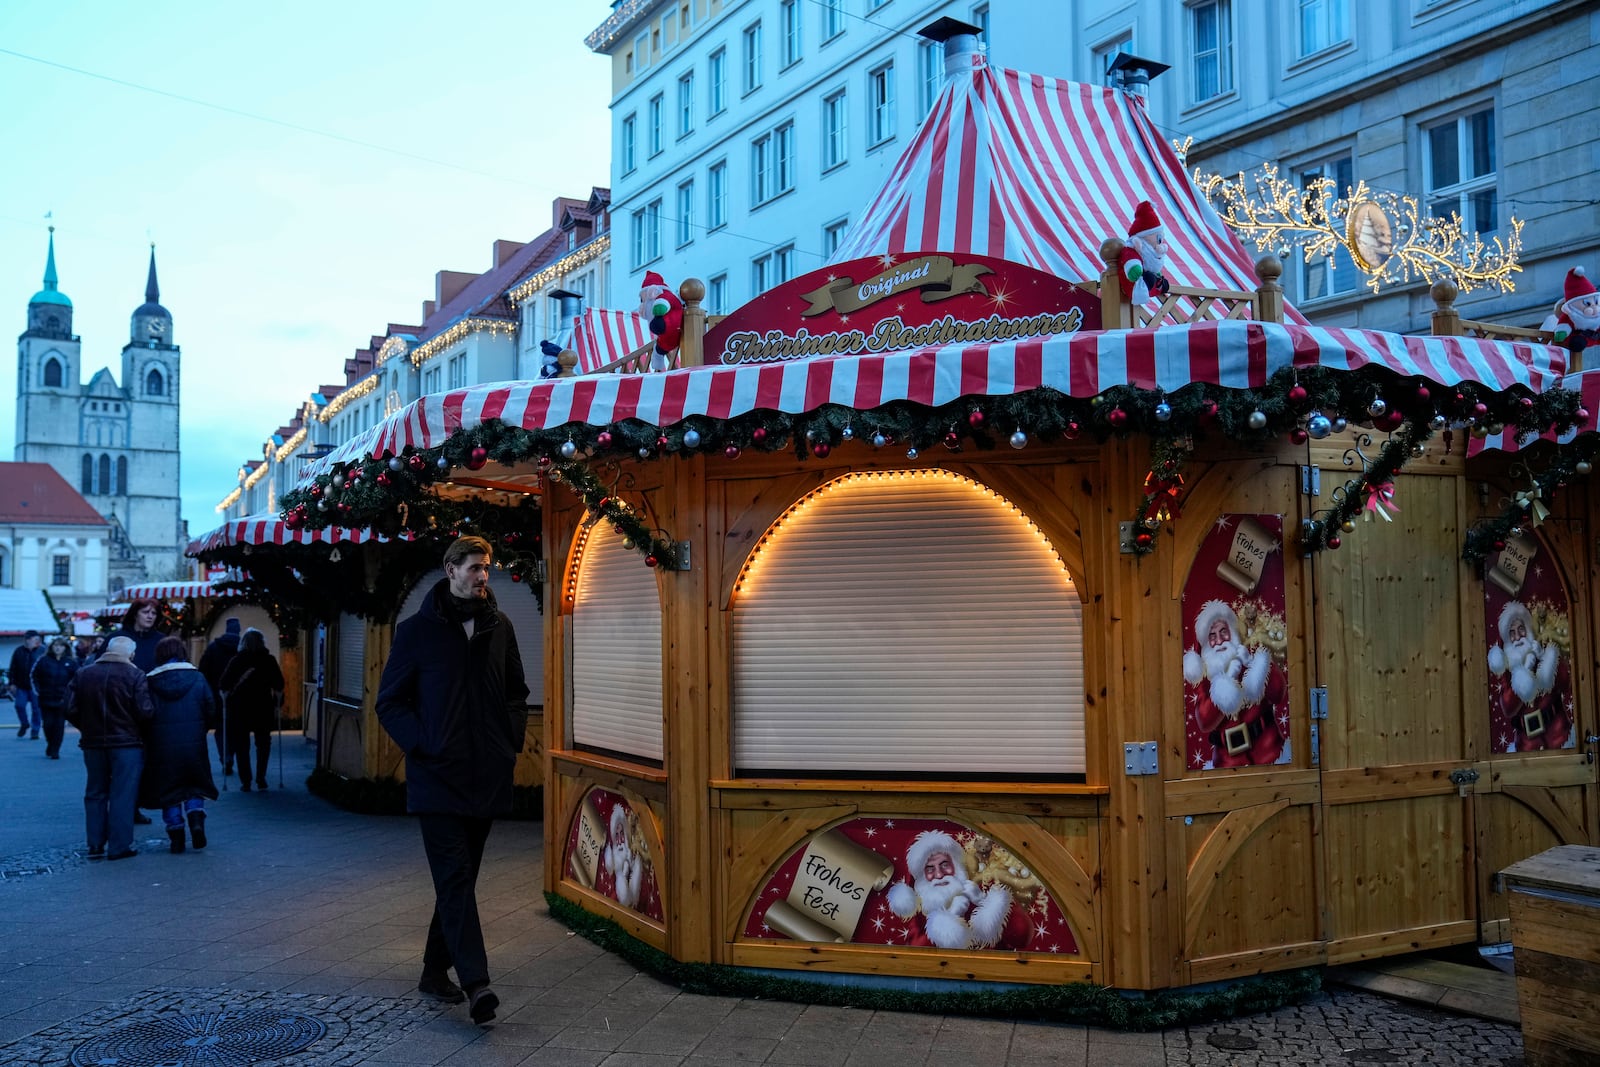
(788, 493)
(1060, 872)
(571, 571)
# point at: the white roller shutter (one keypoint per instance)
(351, 652)
(520, 605)
(616, 650)
(911, 623)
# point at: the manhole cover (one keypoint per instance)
(216, 1039)
(1231, 1040)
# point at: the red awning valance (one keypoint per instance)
(166, 591)
(272, 530)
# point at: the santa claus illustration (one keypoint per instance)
(946, 908)
(1241, 694)
(1143, 259)
(1532, 699)
(625, 866)
(1576, 321)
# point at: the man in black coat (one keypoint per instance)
(111, 708)
(28, 653)
(454, 700)
(213, 662)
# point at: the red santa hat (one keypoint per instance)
(926, 844)
(1144, 220)
(1514, 612)
(652, 280)
(1210, 612)
(1578, 285)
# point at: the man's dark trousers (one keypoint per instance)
(454, 844)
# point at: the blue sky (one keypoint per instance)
(279, 251)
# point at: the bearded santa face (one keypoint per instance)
(1224, 656)
(1584, 311)
(942, 881)
(1521, 649)
(1152, 249)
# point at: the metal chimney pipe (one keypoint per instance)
(963, 48)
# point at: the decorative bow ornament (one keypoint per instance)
(1161, 496)
(1380, 501)
(1529, 500)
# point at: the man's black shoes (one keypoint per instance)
(197, 829)
(484, 1002)
(440, 988)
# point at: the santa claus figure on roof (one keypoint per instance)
(945, 908)
(1144, 257)
(1533, 697)
(1576, 322)
(663, 310)
(1240, 699)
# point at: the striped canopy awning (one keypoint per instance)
(1040, 171)
(111, 612)
(1234, 354)
(1585, 383)
(603, 336)
(272, 530)
(166, 591)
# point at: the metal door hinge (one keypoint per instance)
(1319, 702)
(1310, 480)
(1316, 745)
(1463, 777)
(1140, 758)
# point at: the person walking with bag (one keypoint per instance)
(110, 707)
(251, 688)
(454, 700)
(52, 688)
(177, 764)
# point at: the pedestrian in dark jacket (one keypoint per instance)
(453, 698)
(111, 707)
(23, 657)
(139, 624)
(52, 688)
(213, 662)
(177, 764)
(251, 688)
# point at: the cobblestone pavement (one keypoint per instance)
(304, 924)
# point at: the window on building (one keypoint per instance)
(647, 233)
(772, 268)
(104, 471)
(641, 51)
(980, 19)
(433, 380)
(833, 235)
(630, 144)
(685, 212)
(60, 570)
(835, 130)
(1323, 24)
(1105, 53)
(761, 274)
(1211, 41)
(1459, 161)
(154, 384)
(686, 104)
(457, 369)
(789, 16)
(717, 82)
(880, 104)
(684, 15)
(87, 482)
(772, 163)
(873, 5)
(52, 373)
(717, 195)
(717, 295)
(1334, 274)
(122, 475)
(832, 19)
(752, 57)
(627, 62)
(655, 118)
(930, 74)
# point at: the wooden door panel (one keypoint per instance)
(1396, 865)
(1250, 880)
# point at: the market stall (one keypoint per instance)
(930, 621)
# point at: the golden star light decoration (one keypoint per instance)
(1390, 238)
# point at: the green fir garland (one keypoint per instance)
(1570, 461)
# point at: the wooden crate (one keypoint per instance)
(1555, 930)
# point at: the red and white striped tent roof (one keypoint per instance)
(1040, 171)
(112, 611)
(1585, 383)
(601, 336)
(1234, 354)
(272, 530)
(166, 591)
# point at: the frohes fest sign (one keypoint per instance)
(891, 303)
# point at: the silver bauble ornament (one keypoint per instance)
(1583, 466)
(878, 440)
(847, 433)
(691, 439)
(1319, 426)
(811, 435)
(1019, 440)
(1418, 449)
(1258, 420)
(1437, 423)
(395, 463)
(1377, 407)
(911, 453)
(644, 453)
(1340, 424)
(1163, 411)
(442, 463)
(322, 505)
(627, 543)
(568, 449)
(338, 480)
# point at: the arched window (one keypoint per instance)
(88, 474)
(616, 649)
(122, 475)
(105, 473)
(52, 373)
(154, 384)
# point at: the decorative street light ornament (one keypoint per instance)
(1389, 236)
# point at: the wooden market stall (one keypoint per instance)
(949, 613)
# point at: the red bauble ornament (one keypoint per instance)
(383, 479)
(1298, 436)
(1423, 396)
(416, 463)
(294, 520)
(1525, 403)
(1480, 409)
(1073, 429)
(1297, 394)
(651, 561)
(544, 462)
(477, 458)
(975, 418)
(732, 451)
(1390, 420)
(1208, 413)
(821, 449)
(1499, 545)
(661, 442)
(603, 439)
(759, 435)
(1143, 539)
(1117, 418)
(1582, 415)
(1334, 542)
(952, 440)
(316, 492)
